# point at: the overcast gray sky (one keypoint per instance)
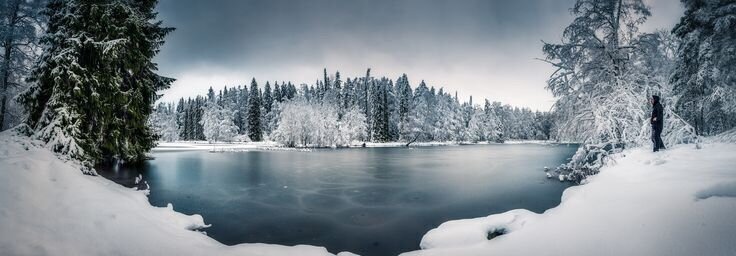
(476, 47)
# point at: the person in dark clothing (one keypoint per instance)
(657, 121)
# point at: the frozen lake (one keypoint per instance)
(370, 201)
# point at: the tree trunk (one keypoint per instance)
(413, 140)
(4, 85)
(365, 99)
(8, 45)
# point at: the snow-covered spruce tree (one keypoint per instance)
(190, 120)
(95, 86)
(456, 114)
(363, 95)
(211, 120)
(227, 128)
(330, 92)
(243, 110)
(21, 25)
(180, 112)
(338, 92)
(266, 104)
(483, 125)
(498, 112)
(380, 111)
(405, 101)
(419, 125)
(183, 119)
(493, 122)
(544, 124)
(705, 73)
(392, 105)
(285, 91)
(254, 112)
(237, 114)
(197, 112)
(218, 118)
(267, 98)
(598, 100)
(445, 127)
(289, 91)
(348, 94)
(477, 129)
(277, 93)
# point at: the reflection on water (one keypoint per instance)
(370, 201)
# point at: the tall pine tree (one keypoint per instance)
(267, 98)
(96, 84)
(254, 113)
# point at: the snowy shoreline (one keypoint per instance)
(274, 146)
(677, 202)
(51, 208)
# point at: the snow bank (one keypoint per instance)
(678, 202)
(471, 231)
(540, 142)
(275, 146)
(215, 147)
(450, 143)
(727, 136)
(403, 144)
(48, 207)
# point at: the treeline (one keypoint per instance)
(234, 105)
(334, 112)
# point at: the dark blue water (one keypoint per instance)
(370, 201)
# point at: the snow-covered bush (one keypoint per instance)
(351, 127)
(163, 122)
(306, 124)
(218, 123)
(588, 159)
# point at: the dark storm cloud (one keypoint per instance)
(484, 48)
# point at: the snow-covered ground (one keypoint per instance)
(681, 201)
(47, 207)
(678, 202)
(217, 146)
(403, 144)
(529, 142)
(270, 145)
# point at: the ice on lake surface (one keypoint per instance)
(369, 201)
